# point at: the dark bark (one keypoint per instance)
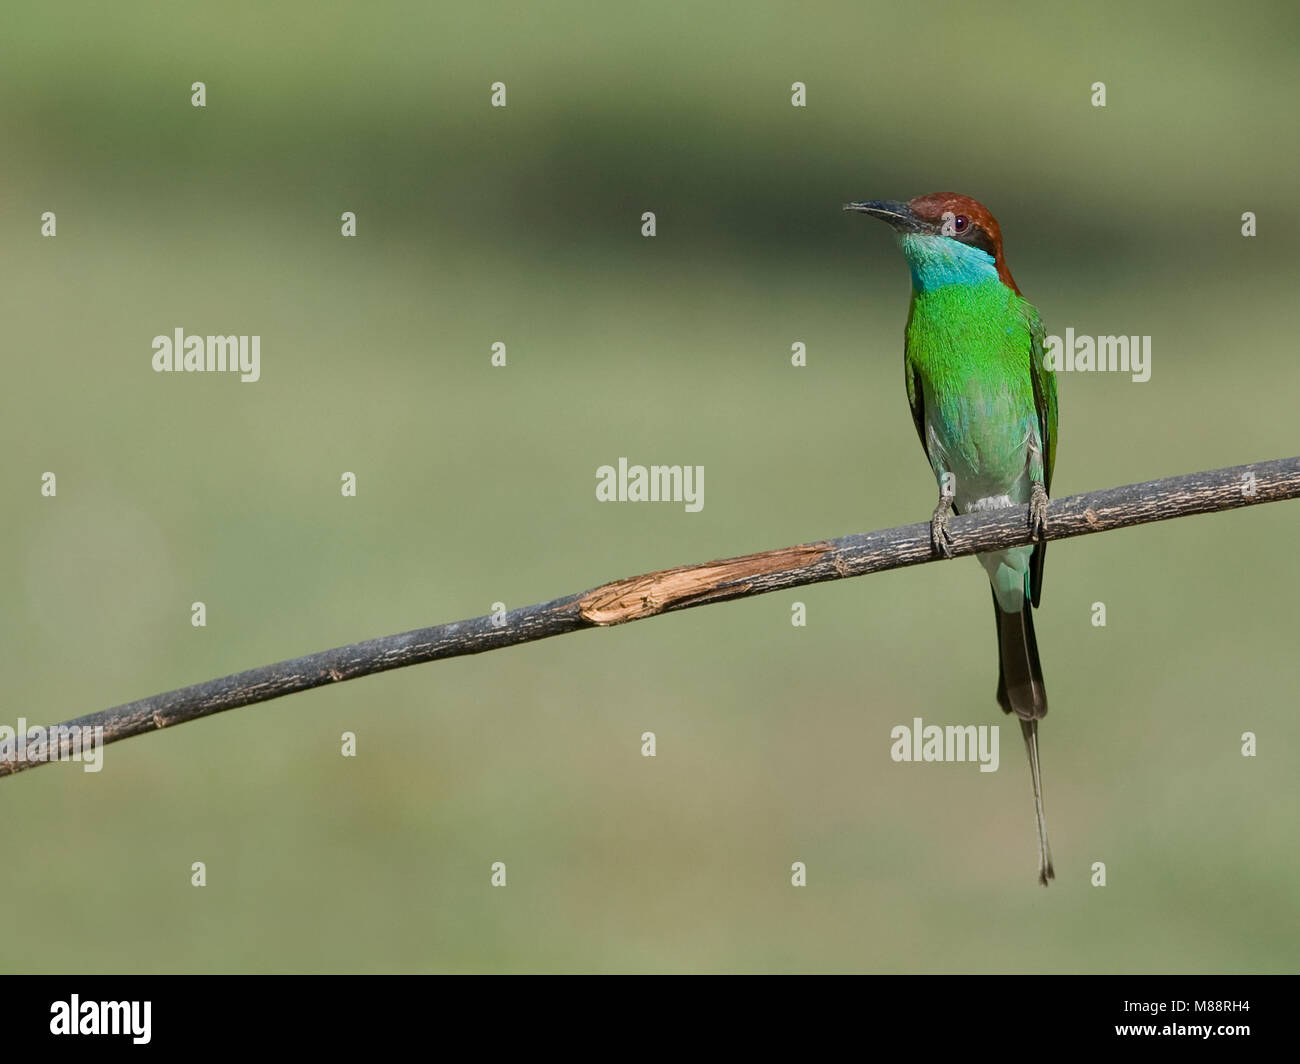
(698, 585)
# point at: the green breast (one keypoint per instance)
(970, 346)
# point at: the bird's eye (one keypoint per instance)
(960, 222)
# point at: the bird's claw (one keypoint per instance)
(1038, 511)
(939, 536)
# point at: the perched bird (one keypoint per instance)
(985, 409)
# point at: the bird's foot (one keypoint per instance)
(939, 537)
(1038, 510)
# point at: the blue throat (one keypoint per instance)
(937, 261)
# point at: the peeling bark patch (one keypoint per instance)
(644, 596)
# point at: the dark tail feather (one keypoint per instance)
(1020, 676)
(1021, 691)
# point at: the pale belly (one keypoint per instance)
(989, 461)
(989, 458)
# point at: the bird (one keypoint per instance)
(985, 409)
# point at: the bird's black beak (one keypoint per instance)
(897, 214)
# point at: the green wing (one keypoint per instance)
(1044, 382)
(916, 400)
(915, 390)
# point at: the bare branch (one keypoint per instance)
(699, 585)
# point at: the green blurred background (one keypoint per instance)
(476, 484)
